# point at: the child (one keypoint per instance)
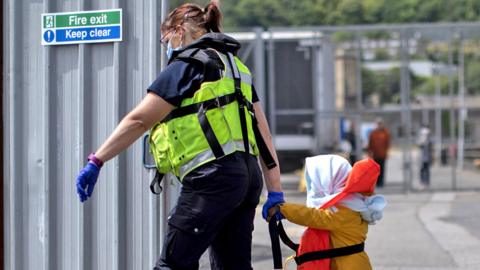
(340, 206)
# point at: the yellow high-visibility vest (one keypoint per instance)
(179, 143)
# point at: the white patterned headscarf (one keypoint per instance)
(326, 177)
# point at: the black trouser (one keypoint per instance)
(215, 209)
(380, 181)
(425, 173)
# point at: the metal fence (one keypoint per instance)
(409, 74)
(61, 102)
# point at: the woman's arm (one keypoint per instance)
(151, 110)
(272, 176)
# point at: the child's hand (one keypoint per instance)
(272, 211)
(275, 211)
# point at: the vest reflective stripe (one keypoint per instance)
(246, 78)
(206, 156)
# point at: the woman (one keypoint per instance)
(204, 147)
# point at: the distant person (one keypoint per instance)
(426, 158)
(340, 207)
(378, 145)
(350, 138)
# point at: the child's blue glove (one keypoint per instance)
(86, 180)
(273, 199)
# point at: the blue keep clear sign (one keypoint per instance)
(82, 27)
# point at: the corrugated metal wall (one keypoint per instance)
(1, 149)
(60, 103)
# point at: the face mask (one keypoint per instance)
(170, 50)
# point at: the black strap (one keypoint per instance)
(329, 253)
(209, 133)
(242, 105)
(220, 102)
(262, 147)
(202, 107)
(320, 254)
(156, 180)
(276, 251)
(241, 102)
(194, 108)
(285, 239)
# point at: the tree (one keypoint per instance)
(266, 13)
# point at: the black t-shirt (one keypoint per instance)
(180, 80)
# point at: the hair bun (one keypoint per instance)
(212, 16)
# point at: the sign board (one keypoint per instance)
(82, 27)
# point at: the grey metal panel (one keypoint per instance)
(61, 103)
(12, 99)
(34, 186)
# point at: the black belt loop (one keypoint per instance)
(209, 133)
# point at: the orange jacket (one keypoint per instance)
(378, 143)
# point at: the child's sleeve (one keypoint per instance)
(309, 217)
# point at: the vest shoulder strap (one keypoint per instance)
(194, 54)
(200, 56)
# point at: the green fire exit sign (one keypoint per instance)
(82, 27)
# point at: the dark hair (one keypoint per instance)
(208, 18)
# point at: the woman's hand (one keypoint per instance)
(86, 180)
(274, 198)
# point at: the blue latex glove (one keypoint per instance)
(273, 199)
(86, 180)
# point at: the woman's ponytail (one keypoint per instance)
(212, 17)
(194, 17)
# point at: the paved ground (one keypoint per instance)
(432, 229)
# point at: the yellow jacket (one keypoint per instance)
(346, 228)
